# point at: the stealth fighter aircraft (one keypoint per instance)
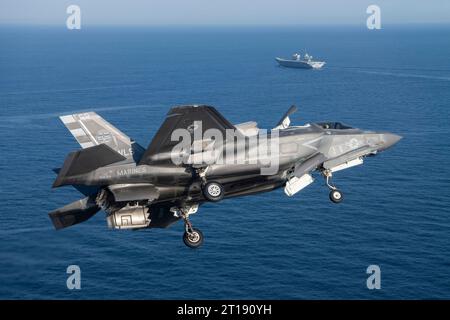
(198, 156)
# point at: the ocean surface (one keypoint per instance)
(396, 208)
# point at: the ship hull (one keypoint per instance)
(300, 64)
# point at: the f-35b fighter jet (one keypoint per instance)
(195, 157)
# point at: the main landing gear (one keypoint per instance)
(336, 196)
(212, 190)
(192, 237)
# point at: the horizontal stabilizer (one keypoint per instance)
(76, 212)
(86, 160)
(86, 190)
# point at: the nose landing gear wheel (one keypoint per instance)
(213, 191)
(193, 238)
(336, 196)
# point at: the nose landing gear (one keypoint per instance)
(336, 196)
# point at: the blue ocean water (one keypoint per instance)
(396, 208)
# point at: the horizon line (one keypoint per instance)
(226, 24)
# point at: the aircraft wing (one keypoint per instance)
(184, 117)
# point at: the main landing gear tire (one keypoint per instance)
(336, 196)
(213, 191)
(193, 239)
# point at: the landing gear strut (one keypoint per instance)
(336, 196)
(193, 238)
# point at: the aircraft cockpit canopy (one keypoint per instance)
(334, 125)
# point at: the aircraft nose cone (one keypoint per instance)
(389, 140)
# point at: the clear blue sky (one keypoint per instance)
(223, 12)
